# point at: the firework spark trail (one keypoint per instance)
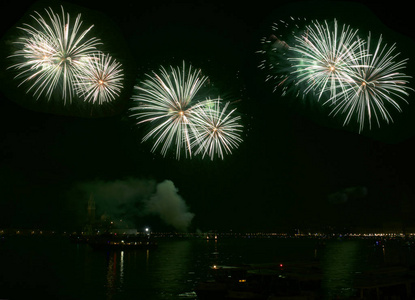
(325, 57)
(218, 131)
(167, 100)
(275, 49)
(334, 63)
(376, 86)
(53, 54)
(101, 80)
(170, 102)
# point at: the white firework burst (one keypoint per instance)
(52, 52)
(323, 58)
(101, 79)
(378, 85)
(218, 129)
(167, 101)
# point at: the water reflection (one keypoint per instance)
(340, 263)
(161, 274)
(170, 272)
(121, 268)
(111, 273)
(115, 273)
(170, 268)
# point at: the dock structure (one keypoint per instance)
(386, 283)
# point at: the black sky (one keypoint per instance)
(293, 158)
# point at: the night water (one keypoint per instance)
(36, 267)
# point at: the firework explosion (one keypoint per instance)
(169, 101)
(375, 86)
(101, 80)
(323, 57)
(333, 63)
(55, 53)
(217, 129)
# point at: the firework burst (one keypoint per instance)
(101, 80)
(218, 129)
(167, 101)
(324, 58)
(331, 62)
(52, 53)
(376, 86)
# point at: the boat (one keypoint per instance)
(262, 282)
(224, 277)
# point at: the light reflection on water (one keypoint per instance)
(55, 267)
(340, 262)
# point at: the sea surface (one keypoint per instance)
(36, 267)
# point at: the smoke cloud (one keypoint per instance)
(347, 194)
(131, 198)
(169, 206)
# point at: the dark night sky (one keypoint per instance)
(293, 156)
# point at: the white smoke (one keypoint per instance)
(131, 198)
(169, 206)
